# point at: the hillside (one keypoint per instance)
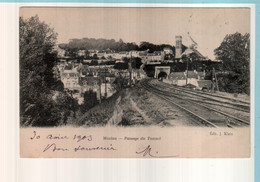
(134, 107)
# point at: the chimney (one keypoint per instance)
(178, 46)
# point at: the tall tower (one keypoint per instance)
(178, 46)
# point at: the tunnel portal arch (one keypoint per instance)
(162, 71)
(162, 74)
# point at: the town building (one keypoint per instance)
(107, 90)
(70, 76)
(167, 51)
(191, 77)
(152, 58)
(81, 53)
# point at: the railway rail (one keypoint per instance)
(188, 105)
(205, 93)
(205, 97)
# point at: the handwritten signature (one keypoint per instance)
(147, 152)
(53, 147)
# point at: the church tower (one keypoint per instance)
(178, 46)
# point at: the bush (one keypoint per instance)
(233, 83)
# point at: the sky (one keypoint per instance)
(207, 26)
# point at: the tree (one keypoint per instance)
(93, 63)
(38, 84)
(126, 60)
(90, 100)
(234, 51)
(195, 62)
(105, 44)
(66, 103)
(120, 82)
(95, 56)
(87, 54)
(71, 52)
(121, 66)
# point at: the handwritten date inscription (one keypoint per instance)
(54, 147)
(77, 138)
(79, 143)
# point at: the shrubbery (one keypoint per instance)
(234, 51)
(42, 99)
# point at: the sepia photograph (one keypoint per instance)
(133, 82)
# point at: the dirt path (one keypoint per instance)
(161, 112)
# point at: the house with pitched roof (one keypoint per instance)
(70, 77)
(191, 77)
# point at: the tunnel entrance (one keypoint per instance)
(162, 72)
(162, 75)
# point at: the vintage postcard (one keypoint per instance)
(135, 82)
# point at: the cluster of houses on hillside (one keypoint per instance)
(147, 57)
(103, 56)
(79, 78)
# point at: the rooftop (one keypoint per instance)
(91, 81)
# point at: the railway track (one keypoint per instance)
(197, 110)
(192, 114)
(203, 93)
(205, 97)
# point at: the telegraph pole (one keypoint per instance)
(105, 81)
(130, 70)
(213, 79)
(99, 85)
(187, 67)
(216, 81)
